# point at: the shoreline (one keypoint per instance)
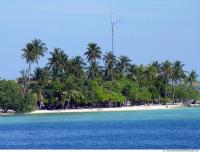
(115, 109)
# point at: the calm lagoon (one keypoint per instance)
(155, 129)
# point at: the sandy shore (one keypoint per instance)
(133, 108)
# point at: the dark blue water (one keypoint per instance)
(160, 129)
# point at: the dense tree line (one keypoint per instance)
(73, 82)
(12, 99)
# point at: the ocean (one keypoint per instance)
(155, 129)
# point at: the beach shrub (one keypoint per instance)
(9, 95)
(11, 99)
(154, 92)
(145, 96)
(186, 93)
(192, 93)
(115, 86)
(133, 93)
(164, 101)
(88, 92)
(115, 97)
(103, 94)
(28, 104)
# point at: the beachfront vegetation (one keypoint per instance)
(12, 98)
(102, 80)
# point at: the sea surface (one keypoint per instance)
(156, 129)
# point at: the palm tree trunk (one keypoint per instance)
(68, 102)
(5, 110)
(159, 99)
(56, 106)
(161, 83)
(173, 95)
(165, 90)
(24, 87)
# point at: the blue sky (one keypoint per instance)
(146, 30)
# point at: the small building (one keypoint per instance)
(128, 103)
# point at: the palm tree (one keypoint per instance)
(58, 63)
(157, 65)
(38, 85)
(177, 74)
(123, 65)
(93, 53)
(47, 74)
(39, 49)
(33, 51)
(67, 96)
(192, 77)
(94, 71)
(110, 62)
(159, 79)
(30, 56)
(166, 73)
(141, 78)
(38, 90)
(132, 72)
(177, 71)
(77, 65)
(151, 74)
(38, 75)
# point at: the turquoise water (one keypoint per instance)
(159, 129)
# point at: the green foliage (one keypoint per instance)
(184, 93)
(133, 93)
(57, 86)
(10, 96)
(66, 80)
(165, 100)
(154, 92)
(27, 104)
(11, 99)
(145, 95)
(103, 94)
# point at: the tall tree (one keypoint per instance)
(94, 71)
(39, 48)
(166, 73)
(177, 75)
(123, 65)
(33, 51)
(93, 52)
(192, 77)
(157, 65)
(38, 85)
(38, 75)
(77, 66)
(151, 74)
(110, 62)
(58, 63)
(132, 72)
(29, 55)
(141, 77)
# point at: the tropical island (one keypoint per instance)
(102, 81)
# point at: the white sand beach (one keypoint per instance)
(133, 108)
